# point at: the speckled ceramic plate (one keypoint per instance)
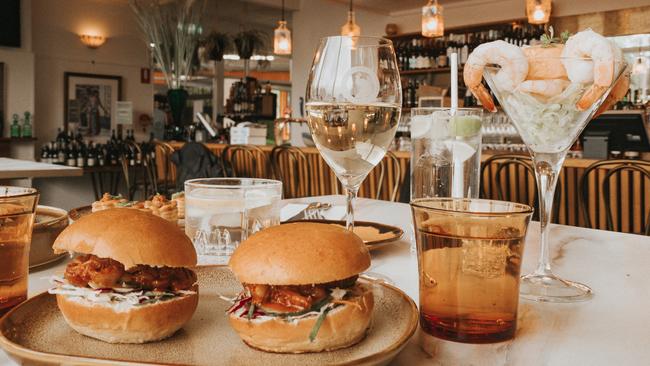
(35, 332)
(374, 234)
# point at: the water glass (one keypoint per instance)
(469, 260)
(445, 152)
(17, 208)
(222, 212)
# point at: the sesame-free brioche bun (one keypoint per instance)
(343, 326)
(130, 237)
(136, 324)
(299, 253)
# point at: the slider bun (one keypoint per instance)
(130, 237)
(299, 253)
(137, 324)
(343, 326)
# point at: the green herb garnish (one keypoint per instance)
(318, 324)
(549, 39)
(251, 310)
(125, 204)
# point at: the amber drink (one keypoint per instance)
(469, 259)
(17, 207)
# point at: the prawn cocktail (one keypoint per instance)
(549, 89)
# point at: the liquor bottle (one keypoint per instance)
(70, 156)
(45, 154)
(15, 127)
(27, 125)
(81, 156)
(91, 159)
(62, 154)
(78, 138)
(54, 153)
(101, 161)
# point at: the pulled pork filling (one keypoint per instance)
(92, 271)
(291, 299)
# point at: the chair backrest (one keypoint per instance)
(162, 168)
(245, 161)
(291, 166)
(616, 192)
(390, 177)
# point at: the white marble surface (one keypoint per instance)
(16, 168)
(613, 328)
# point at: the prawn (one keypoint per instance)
(546, 88)
(513, 69)
(583, 50)
(618, 91)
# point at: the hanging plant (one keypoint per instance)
(248, 42)
(216, 44)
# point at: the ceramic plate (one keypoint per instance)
(374, 234)
(35, 331)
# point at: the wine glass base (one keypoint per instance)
(548, 287)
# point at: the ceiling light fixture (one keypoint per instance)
(433, 24)
(538, 11)
(92, 41)
(282, 37)
(351, 29)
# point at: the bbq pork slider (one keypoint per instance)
(129, 282)
(301, 289)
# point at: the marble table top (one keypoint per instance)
(613, 328)
(15, 168)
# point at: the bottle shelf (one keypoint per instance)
(436, 70)
(17, 139)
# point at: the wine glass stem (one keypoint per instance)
(351, 194)
(547, 171)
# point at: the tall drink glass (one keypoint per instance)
(222, 212)
(17, 208)
(469, 259)
(446, 152)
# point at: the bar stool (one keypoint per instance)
(248, 161)
(630, 179)
(291, 166)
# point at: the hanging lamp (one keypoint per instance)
(351, 29)
(282, 37)
(538, 11)
(433, 24)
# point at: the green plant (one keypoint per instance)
(216, 44)
(249, 41)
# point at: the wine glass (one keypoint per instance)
(548, 127)
(353, 107)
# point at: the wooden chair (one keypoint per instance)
(606, 184)
(161, 168)
(248, 161)
(511, 177)
(136, 177)
(390, 168)
(291, 166)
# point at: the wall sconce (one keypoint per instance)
(538, 11)
(92, 41)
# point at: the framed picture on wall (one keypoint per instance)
(90, 105)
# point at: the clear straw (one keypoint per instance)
(454, 83)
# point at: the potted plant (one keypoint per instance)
(216, 44)
(248, 42)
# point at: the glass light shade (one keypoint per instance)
(282, 39)
(433, 24)
(538, 11)
(351, 29)
(92, 41)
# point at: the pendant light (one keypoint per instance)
(538, 11)
(282, 37)
(433, 24)
(351, 29)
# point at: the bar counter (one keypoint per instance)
(519, 185)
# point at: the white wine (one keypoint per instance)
(352, 138)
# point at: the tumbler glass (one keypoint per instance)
(222, 212)
(17, 208)
(445, 152)
(469, 259)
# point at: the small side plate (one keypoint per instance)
(373, 234)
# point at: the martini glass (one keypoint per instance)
(549, 126)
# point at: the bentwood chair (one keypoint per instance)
(291, 166)
(386, 176)
(245, 161)
(136, 175)
(161, 168)
(615, 195)
(511, 177)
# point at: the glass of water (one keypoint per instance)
(222, 212)
(445, 152)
